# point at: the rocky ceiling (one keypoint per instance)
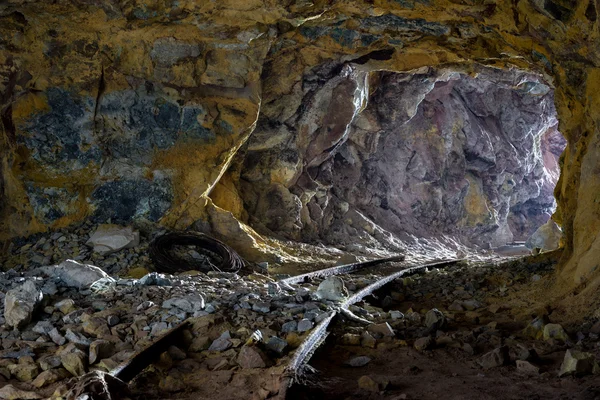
(128, 110)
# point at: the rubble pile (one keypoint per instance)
(61, 321)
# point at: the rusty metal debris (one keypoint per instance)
(220, 257)
(143, 358)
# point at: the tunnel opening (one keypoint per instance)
(385, 160)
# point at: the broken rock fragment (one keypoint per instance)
(50, 376)
(276, 345)
(578, 363)
(494, 358)
(110, 238)
(423, 343)
(188, 304)
(367, 383)
(546, 237)
(527, 368)
(25, 372)
(20, 304)
(75, 274)
(359, 361)
(555, 331)
(305, 325)
(75, 362)
(434, 320)
(11, 392)
(154, 279)
(100, 349)
(222, 343)
(381, 330)
(535, 329)
(251, 357)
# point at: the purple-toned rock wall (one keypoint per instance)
(372, 159)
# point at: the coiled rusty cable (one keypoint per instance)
(165, 260)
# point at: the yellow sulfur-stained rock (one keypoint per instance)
(148, 111)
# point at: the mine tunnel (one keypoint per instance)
(299, 200)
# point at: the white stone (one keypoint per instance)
(75, 274)
(332, 288)
(109, 238)
(547, 237)
(394, 314)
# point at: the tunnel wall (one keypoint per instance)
(103, 99)
(432, 153)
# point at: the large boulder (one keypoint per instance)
(547, 237)
(75, 274)
(20, 304)
(109, 238)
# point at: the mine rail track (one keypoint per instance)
(319, 333)
(341, 269)
(141, 359)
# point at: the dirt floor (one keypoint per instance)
(405, 373)
(468, 330)
(507, 298)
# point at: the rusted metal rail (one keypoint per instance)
(143, 358)
(341, 269)
(366, 291)
(319, 333)
(129, 369)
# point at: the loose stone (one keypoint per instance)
(423, 343)
(494, 358)
(332, 288)
(20, 304)
(305, 325)
(359, 361)
(251, 357)
(276, 345)
(578, 363)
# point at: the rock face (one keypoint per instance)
(140, 114)
(432, 154)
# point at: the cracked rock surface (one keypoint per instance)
(424, 154)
